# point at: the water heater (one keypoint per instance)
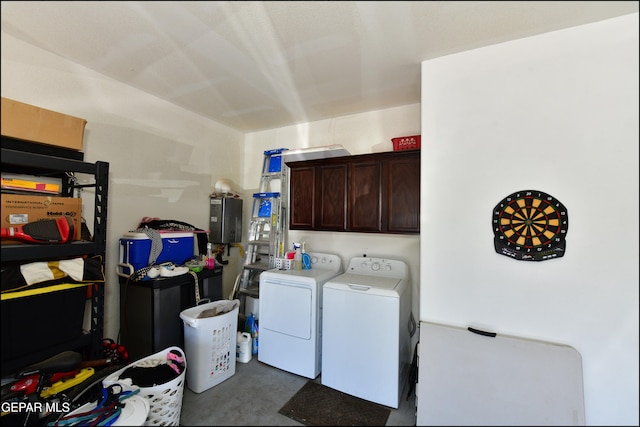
(225, 220)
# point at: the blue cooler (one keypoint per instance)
(135, 248)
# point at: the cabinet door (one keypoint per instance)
(331, 197)
(365, 197)
(403, 194)
(302, 192)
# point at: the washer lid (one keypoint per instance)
(370, 284)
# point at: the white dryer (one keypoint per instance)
(366, 330)
(290, 307)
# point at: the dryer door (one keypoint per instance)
(286, 307)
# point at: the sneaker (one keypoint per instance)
(172, 270)
(153, 272)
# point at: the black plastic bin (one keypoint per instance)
(36, 322)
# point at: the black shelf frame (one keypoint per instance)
(32, 157)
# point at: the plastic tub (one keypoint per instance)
(165, 400)
(210, 343)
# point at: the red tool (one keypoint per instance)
(60, 230)
(27, 385)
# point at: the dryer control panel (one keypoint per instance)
(383, 267)
(327, 261)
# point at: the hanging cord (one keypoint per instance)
(197, 289)
(106, 411)
(232, 295)
(197, 286)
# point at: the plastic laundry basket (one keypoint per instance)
(210, 343)
(165, 400)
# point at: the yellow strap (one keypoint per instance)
(38, 291)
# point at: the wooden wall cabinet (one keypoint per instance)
(368, 193)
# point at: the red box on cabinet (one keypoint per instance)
(406, 143)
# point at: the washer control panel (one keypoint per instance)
(383, 267)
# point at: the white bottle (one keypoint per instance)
(297, 259)
(243, 347)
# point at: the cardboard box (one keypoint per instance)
(19, 209)
(31, 123)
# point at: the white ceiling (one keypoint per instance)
(255, 65)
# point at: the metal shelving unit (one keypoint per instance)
(31, 158)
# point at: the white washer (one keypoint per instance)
(291, 315)
(366, 330)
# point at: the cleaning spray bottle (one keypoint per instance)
(297, 258)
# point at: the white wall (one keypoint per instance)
(556, 113)
(163, 160)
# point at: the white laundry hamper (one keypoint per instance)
(210, 343)
(165, 400)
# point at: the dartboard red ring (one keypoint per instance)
(530, 225)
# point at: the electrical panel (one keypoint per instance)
(225, 220)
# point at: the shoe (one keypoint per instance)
(172, 270)
(153, 272)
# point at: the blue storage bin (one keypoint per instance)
(135, 248)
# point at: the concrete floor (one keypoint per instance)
(253, 396)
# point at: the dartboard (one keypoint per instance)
(530, 225)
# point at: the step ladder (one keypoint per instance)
(266, 239)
